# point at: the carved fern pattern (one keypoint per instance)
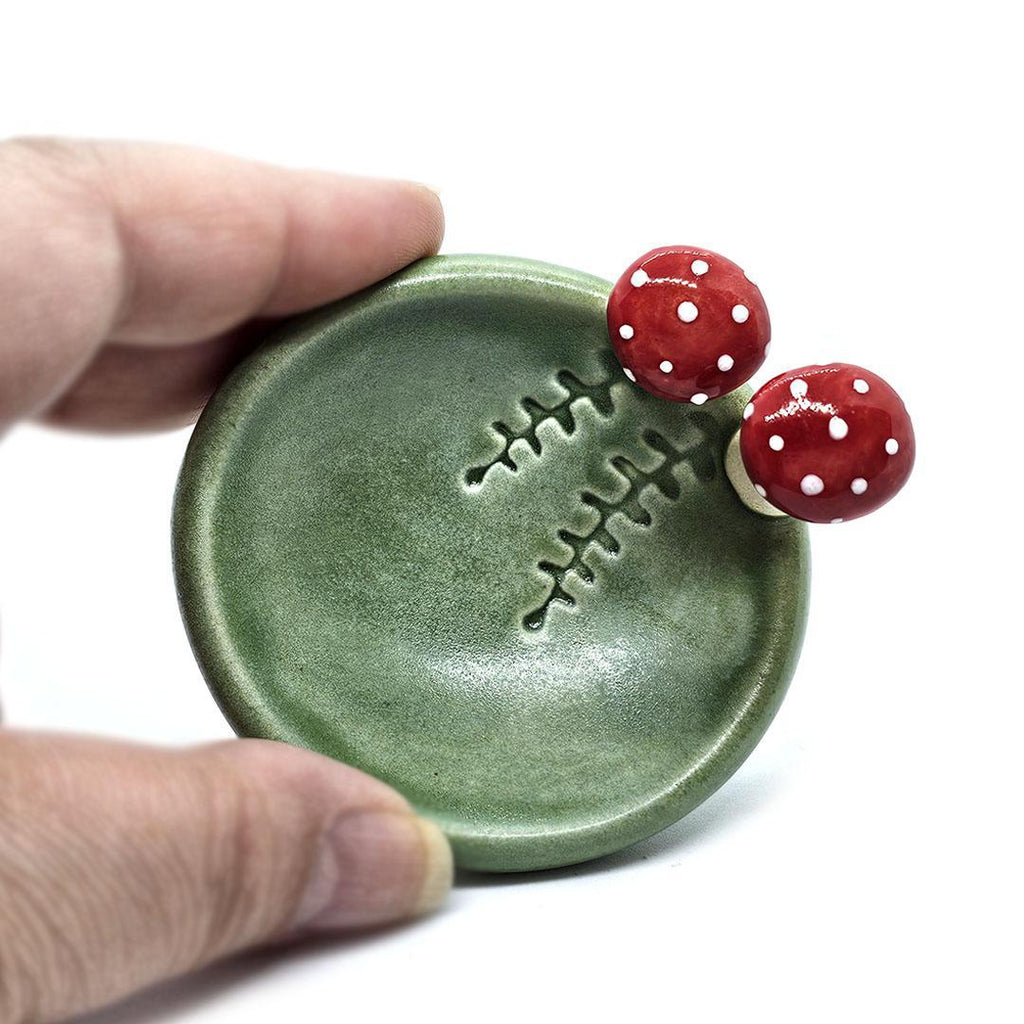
(697, 455)
(599, 394)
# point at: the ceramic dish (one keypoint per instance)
(434, 532)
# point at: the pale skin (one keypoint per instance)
(132, 278)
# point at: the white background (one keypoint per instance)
(860, 161)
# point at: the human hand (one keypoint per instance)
(132, 278)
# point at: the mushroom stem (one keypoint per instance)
(742, 484)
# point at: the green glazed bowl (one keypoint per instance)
(433, 531)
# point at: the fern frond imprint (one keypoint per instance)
(599, 395)
(697, 455)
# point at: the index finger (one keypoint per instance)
(152, 245)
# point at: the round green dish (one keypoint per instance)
(434, 532)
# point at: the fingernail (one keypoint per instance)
(439, 867)
(374, 867)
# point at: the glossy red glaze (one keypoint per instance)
(687, 325)
(827, 443)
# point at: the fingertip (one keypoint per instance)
(345, 233)
(434, 222)
(374, 868)
(373, 861)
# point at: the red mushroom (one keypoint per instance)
(687, 324)
(827, 443)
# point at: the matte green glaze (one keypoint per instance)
(434, 532)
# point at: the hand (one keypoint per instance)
(131, 280)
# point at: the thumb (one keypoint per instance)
(122, 865)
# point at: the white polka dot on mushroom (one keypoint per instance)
(812, 485)
(699, 399)
(776, 443)
(861, 386)
(798, 389)
(665, 366)
(892, 446)
(838, 428)
(725, 362)
(625, 332)
(687, 312)
(740, 313)
(699, 267)
(749, 411)
(629, 373)
(639, 278)
(858, 485)
(760, 490)
(834, 521)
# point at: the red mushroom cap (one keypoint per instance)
(827, 443)
(687, 324)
